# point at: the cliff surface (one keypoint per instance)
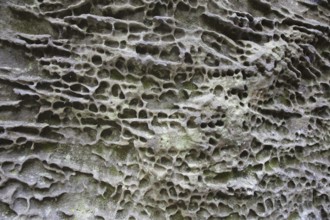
(165, 109)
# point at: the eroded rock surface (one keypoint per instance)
(164, 109)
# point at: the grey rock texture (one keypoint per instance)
(164, 109)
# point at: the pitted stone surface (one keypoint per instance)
(164, 109)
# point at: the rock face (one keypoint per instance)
(164, 109)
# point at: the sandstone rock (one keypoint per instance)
(164, 109)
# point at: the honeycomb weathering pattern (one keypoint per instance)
(164, 109)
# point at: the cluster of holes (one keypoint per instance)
(123, 84)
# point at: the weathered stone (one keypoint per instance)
(165, 109)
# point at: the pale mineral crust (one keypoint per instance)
(164, 109)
